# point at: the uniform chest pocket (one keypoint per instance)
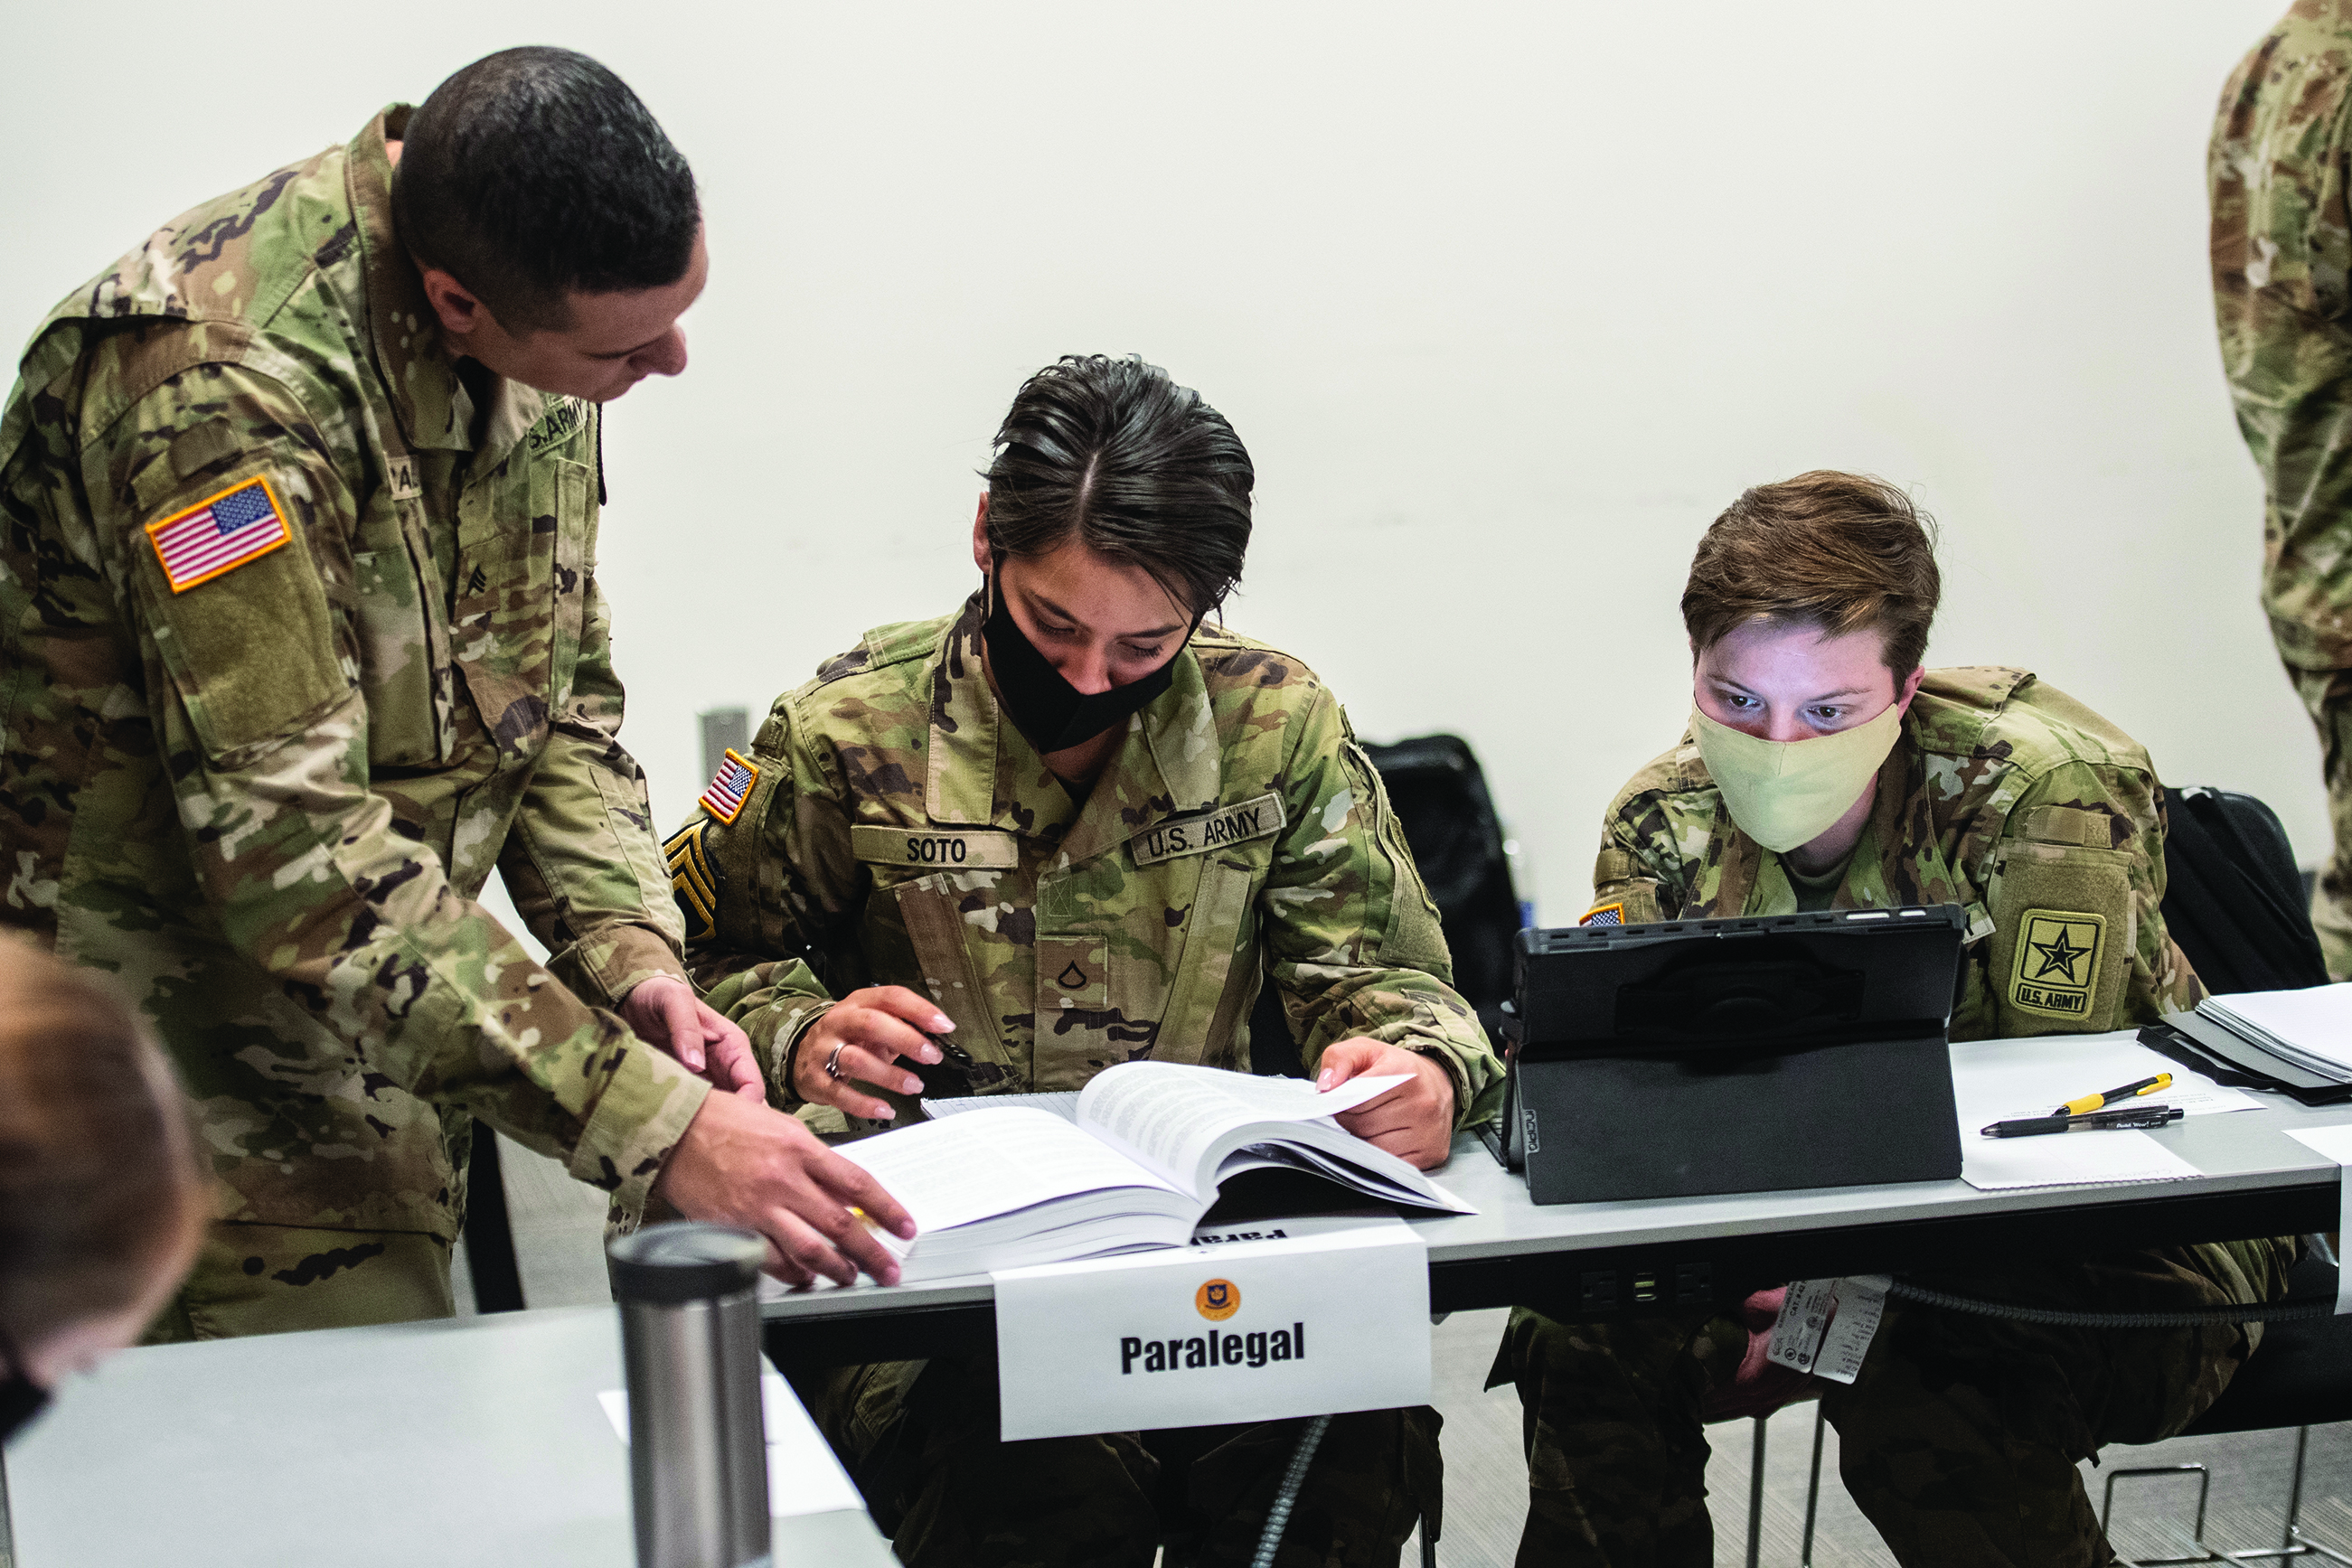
(403, 638)
(959, 941)
(521, 592)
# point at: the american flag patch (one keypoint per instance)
(212, 537)
(724, 800)
(1605, 915)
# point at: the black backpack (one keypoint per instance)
(1449, 821)
(2233, 898)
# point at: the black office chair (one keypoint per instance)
(1441, 802)
(2301, 1377)
(2234, 899)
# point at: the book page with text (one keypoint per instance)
(1166, 1115)
(971, 1167)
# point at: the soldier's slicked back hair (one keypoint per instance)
(1843, 552)
(536, 171)
(101, 1176)
(1114, 454)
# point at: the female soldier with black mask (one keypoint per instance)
(1098, 824)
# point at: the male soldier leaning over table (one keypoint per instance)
(303, 639)
(1824, 768)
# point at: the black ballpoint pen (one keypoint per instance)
(2126, 1119)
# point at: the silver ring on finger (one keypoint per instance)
(832, 1064)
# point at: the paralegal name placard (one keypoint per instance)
(1251, 1323)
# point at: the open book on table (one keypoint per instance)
(1133, 1160)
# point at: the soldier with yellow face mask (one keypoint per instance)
(1824, 767)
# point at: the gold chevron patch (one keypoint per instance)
(693, 880)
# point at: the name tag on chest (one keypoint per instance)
(934, 850)
(1258, 818)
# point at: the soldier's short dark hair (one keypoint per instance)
(1843, 552)
(536, 171)
(1112, 453)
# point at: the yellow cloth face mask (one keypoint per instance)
(1783, 793)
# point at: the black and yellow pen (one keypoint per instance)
(2089, 1102)
(2145, 1118)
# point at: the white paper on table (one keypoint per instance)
(2010, 1079)
(2336, 1144)
(802, 1475)
(2068, 1159)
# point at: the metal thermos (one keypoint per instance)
(690, 1343)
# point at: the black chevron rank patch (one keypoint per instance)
(693, 880)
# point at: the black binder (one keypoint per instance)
(1745, 1055)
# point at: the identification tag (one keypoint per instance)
(1804, 1315)
(1825, 1326)
(1860, 1303)
(1255, 1321)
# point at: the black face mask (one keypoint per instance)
(1054, 713)
(21, 1399)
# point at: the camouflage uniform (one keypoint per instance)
(2281, 242)
(2046, 824)
(263, 799)
(897, 829)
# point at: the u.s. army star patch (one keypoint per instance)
(2057, 970)
(219, 533)
(1605, 915)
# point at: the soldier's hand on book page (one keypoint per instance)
(1414, 1121)
(744, 1164)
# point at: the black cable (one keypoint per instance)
(2242, 1313)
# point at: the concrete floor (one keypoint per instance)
(558, 1226)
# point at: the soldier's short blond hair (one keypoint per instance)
(1844, 553)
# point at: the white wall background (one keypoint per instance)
(1508, 300)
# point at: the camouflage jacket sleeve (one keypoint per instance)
(252, 689)
(1351, 935)
(1641, 868)
(581, 861)
(2071, 869)
(783, 889)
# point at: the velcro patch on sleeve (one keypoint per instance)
(2057, 970)
(694, 881)
(1605, 915)
(1258, 818)
(737, 778)
(219, 533)
(935, 849)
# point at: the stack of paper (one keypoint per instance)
(2311, 1028)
